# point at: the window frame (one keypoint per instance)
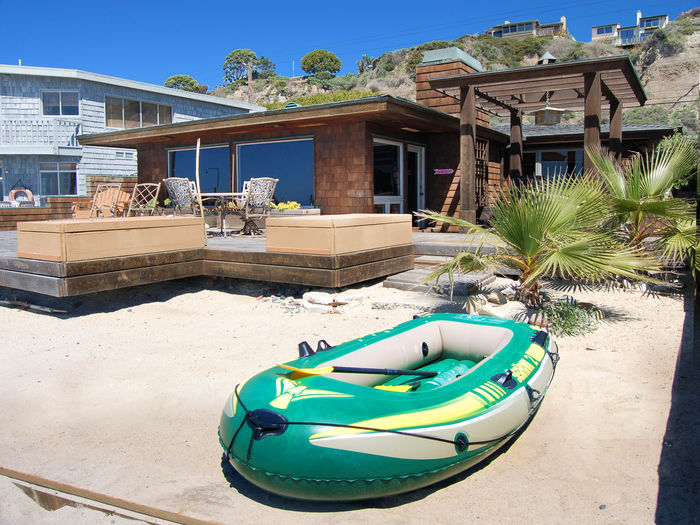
(60, 104)
(58, 172)
(140, 103)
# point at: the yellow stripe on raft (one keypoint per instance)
(462, 407)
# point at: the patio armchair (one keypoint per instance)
(255, 204)
(109, 201)
(144, 199)
(182, 198)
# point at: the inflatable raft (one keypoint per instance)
(389, 412)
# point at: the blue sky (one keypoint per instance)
(149, 40)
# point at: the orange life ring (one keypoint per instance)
(18, 191)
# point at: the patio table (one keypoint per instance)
(222, 199)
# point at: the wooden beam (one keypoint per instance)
(516, 146)
(467, 144)
(494, 101)
(615, 142)
(591, 119)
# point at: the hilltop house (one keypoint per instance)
(528, 28)
(615, 35)
(43, 110)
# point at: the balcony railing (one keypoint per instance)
(39, 132)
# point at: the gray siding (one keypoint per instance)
(20, 98)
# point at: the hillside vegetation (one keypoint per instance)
(667, 64)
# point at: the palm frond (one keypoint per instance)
(594, 257)
(679, 239)
(609, 169)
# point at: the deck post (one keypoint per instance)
(591, 122)
(467, 145)
(615, 142)
(516, 147)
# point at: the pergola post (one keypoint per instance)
(591, 119)
(467, 145)
(516, 146)
(616, 127)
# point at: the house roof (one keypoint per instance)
(132, 84)
(382, 109)
(561, 132)
(526, 88)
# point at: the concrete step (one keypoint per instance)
(415, 281)
(432, 261)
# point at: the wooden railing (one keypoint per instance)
(48, 132)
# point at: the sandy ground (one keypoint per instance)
(123, 395)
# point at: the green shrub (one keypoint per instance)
(569, 318)
(323, 75)
(323, 98)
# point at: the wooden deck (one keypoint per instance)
(232, 257)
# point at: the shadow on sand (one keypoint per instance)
(124, 298)
(247, 489)
(679, 466)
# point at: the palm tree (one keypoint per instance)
(546, 229)
(645, 214)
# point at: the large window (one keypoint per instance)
(627, 36)
(290, 161)
(60, 103)
(214, 167)
(58, 178)
(124, 113)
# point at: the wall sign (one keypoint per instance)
(446, 171)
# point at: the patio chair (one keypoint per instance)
(255, 204)
(109, 201)
(144, 199)
(182, 198)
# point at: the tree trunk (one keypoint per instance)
(250, 81)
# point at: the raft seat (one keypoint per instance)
(448, 370)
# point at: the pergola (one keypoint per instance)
(577, 85)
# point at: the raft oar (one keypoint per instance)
(304, 372)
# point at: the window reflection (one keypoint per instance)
(214, 167)
(290, 161)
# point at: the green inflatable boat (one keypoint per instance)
(388, 412)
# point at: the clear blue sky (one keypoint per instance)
(150, 40)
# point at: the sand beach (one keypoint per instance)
(121, 395)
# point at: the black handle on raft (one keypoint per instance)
(384, 371)
(323, 345)
(305, 349)
(540, 338)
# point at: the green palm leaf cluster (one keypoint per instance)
(645, 214)
(547, 229)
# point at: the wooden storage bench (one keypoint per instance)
(69, 240)
(337, 234)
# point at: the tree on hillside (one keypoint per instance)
(243, 62)
(366, 63)
(320, 60)
(183, 82)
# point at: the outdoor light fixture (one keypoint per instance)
(548, 116)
